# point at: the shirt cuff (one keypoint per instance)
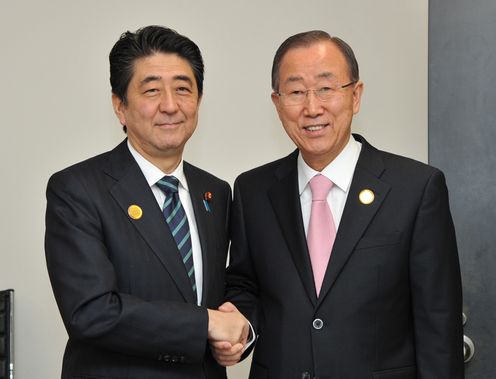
(251, 337)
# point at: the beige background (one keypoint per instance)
(55, 109)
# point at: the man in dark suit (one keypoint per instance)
(136, 238)
(343, 257)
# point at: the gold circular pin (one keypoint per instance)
(366, 196)
(135, 212)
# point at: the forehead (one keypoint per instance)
(318, 60)
(163, 65)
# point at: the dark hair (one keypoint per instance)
(144, 42)
(306, 39)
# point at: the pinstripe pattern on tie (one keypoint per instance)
(175, 216)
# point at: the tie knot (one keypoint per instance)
(320, 187)
(168, 184)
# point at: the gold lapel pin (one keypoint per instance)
(135, 212)
(366, 196)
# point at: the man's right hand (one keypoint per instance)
(228, 332)
(227, 324)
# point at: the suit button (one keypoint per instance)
(317, 324)
(175, 359)
(306, 375)
(166, 358)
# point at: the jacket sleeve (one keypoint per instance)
(242, 284)
(436, 287)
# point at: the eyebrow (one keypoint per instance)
(293, 79)
(325, 75)
(322, 75)
(153, 78)
(184, 78)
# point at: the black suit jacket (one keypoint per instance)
(390, 305)
(119, 282)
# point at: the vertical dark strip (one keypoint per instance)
(462, 134)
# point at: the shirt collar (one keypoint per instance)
(152, 173)
(339, 171)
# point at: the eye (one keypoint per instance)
(183, 90)
(325, 90)
(151, 91)
(296, 93)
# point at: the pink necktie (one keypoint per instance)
(321, 229)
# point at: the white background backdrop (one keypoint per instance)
(55, 109)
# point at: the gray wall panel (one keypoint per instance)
(462, 133)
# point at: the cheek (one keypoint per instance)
(134, 118)
(290, 118)
(147, 112)
(336, 106)
(291, 128)
(341, 111)
(190, 108)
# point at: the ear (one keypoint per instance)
(119, 108)
(276, 100)
(357, 96)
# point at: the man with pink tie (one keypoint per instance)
(343, 257)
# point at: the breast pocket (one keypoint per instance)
(369, 241)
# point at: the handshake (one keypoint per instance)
(228, 332)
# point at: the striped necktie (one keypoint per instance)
(175, 216)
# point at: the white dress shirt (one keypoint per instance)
(339, 171)
(152, 175)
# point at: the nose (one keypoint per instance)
(168, 102)
(312, 104)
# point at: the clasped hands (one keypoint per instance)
(228, 332)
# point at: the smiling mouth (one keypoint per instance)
(169, 124)
(315, 128)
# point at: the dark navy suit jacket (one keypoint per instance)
(390, 304)
(119, 282)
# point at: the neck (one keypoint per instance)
(167, 165)
(166, 161)
(318, 163)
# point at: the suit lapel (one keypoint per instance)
(131, 188)
(356, 215)
(197, 191)
(285, 199)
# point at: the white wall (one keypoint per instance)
(55, 109)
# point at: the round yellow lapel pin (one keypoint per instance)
(135, 212)
(366, 196)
